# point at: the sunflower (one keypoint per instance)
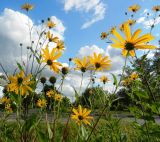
(5, 100)
(81, 115)
(99, 62)
(20, 84)
(104, 79)
(134, 76)
(60, 45)
(126, 82)
(8, 108)
(50, 24)
(134, 8)
(132, 41)
(112, 29)
(51, 38)
(58, 97)
(82, 64)
(104, 35)
(27, 7)
(121, 26)
(131, 22)
(50, 93)
(41, 103)
(156, 8)
(51, 57)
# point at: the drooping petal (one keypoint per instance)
(132, 53)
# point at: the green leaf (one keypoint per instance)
(41, 136)
(142, 94)
(38, 60)
(76, 94)
(30, 122)
(115, 80)
(50, 133)
(20, 67)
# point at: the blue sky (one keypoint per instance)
(75, 37)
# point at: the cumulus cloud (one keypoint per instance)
(89, 50)
(97, 7)
(14, 29)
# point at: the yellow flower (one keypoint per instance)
(99, 62)
(58, 97)
(82, 64)
(27, 7)
(132, 41)
(156, 8)
(131, 22)
(50, 93)
(51, 38)
(104, 35)
(50, 24)
(104, 79)
(8, 108)
(60, 45)
(112, 29)
(134, 8)
(81, 115)
(134, 76)
(20, 84)
(121, 27)
(51, 57)
(41, 103)
(5, 100)
(126, 82)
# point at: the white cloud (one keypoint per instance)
(148, 22)
(89, 50)
(14, 30)
(97, 7)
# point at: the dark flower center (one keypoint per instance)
(49, 62)
(80, 117)
(104, 81)
(97, 65)
(50, 39)
(83, 69)
(20, 80)
(129, 46)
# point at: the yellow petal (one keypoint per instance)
(136, 34)
(127, 31)
(118, 36)
(145, 47)
(143, 39)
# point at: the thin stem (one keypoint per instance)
(4, 70)
(81, 84)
